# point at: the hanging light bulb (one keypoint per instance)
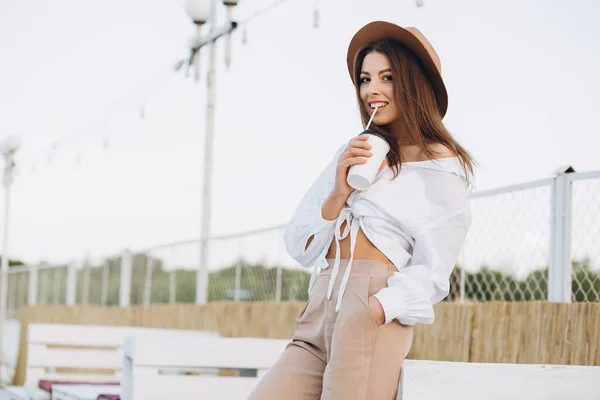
(419, 3)
(316, 15)
(230, 4)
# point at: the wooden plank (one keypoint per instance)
(429, 380)
(97, 335)
(88, 347)
(151, 387)
(72, 377)
(77, 335)
(145, 357)
(251, 353)
(42, 356)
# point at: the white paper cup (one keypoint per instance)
(361, 176)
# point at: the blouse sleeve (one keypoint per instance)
(308, 220)
(412, 292)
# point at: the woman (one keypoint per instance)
(382, 257)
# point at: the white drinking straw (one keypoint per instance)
(372, 116)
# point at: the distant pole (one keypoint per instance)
(201, 11)
(8, 149)
(202, 296)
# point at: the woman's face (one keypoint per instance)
(377, 88)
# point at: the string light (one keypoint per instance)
(50, 153)
(259, 13)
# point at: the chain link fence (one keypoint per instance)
(508, 255)
(244, 267)
(585, 237)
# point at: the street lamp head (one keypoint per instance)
(10, 145)
(231, 2)
(198, 10)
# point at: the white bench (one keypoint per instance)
(92, 353)
(432, 380)
(148, 363)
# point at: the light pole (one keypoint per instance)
(200, 11)
(8, 148)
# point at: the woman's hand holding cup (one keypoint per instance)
(357, 152)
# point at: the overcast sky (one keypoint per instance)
(521, 75)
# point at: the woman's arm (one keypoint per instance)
(412, 292)
(312, 226)
(438, 240)
(331, 210)
(308, 231)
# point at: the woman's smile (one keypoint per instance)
(378, 104)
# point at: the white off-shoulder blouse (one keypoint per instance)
(419, 221)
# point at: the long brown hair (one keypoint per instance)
(416, 102)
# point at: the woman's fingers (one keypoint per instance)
(360, 141)
(348, 162)
(356, 151)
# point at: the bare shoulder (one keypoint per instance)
(440, 151)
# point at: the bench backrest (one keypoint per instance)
(148, 362)
(429, 380)
(84, 353)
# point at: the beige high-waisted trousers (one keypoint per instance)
(344, 355)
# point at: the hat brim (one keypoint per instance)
(385, 30)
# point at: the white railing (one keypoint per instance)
(532, 241)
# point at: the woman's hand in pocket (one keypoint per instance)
(376, 310)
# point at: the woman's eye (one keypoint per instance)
(387, 77)
(364, 80)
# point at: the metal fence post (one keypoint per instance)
(202, 273)
(105, 280)
(172, 286)
(85, 290)
(238, 272)
(559, 268)
(463, 283)
(24, 282)
(56, 281)
(125, 288)
(32, 289)
(279, 269)
(148, 280)
(71, 283)
(44, 286)
(10, 295)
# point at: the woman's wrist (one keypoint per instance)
(333, 206)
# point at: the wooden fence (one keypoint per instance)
(516, 332)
